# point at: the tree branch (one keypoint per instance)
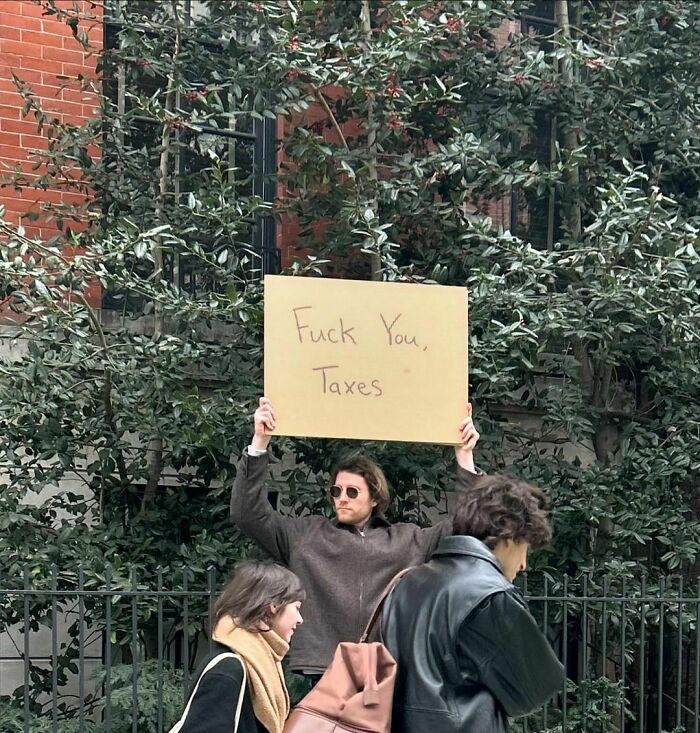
(155, 445)
(573, 208)
(366, 19)
(329, 112)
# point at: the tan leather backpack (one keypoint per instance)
(356, 691)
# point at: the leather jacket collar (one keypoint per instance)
(460, 544)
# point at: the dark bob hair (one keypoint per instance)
(499, 508)
(253, 586)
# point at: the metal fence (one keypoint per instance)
(115, 653)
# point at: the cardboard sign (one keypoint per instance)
(366, 360)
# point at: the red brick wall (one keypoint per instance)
(38, 48)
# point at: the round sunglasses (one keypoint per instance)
(351, 492)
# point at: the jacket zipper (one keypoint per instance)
(362, 582)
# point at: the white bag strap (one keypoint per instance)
(218, 658)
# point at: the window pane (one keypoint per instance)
(221, 160)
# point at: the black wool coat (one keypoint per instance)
(213, 707)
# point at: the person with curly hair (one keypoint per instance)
(469, 653)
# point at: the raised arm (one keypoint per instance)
(469, 437)
(465, 476)
(264, 422)
(251, 510)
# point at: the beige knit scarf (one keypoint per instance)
(262, 654)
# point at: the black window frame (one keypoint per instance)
(541, 20)
(263, 139)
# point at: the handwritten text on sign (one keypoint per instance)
(383, 361)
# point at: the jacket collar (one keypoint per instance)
(460, 544)
(375, 522)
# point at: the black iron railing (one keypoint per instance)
(116, 652)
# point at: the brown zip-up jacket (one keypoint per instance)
(342, 569)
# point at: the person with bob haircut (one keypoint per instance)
(240, 686)
(469, 653)
(344, 564)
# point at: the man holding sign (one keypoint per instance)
(343, 564)
(363, 360)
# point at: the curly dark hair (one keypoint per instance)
(501, 507)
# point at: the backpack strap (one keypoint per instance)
(212, 663)
(380, 603)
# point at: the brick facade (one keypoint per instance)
(38, 49)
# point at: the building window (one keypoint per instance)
(542, 224)
(219, 150)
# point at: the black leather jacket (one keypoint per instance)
(469, 653)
